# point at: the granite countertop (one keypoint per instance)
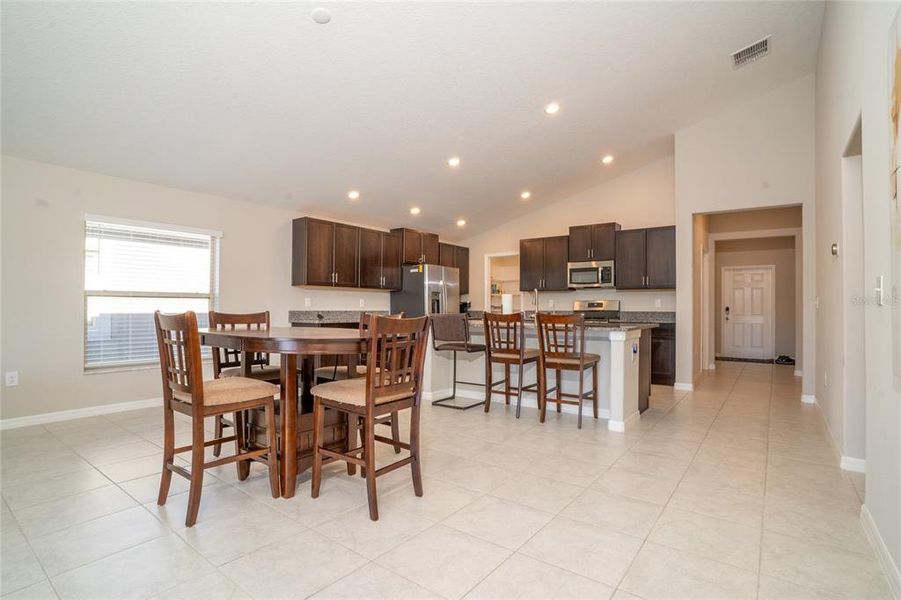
(316, 317)
(477, 323)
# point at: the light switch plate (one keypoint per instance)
(362, 303)
(657, 303)
(12, 378)
(550, 303)
(307, 302)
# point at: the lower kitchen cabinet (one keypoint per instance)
(663, 354)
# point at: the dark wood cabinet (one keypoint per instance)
(391, 261)
(346, 255)
(663, 354)
(630, 259)
(447, 255)
(542, 263)
(593, 242)
(461, 261)
(646, 258)
(661, 257)
(325, 253)
(379, 259)
(419, 246)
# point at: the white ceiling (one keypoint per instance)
(256, 101)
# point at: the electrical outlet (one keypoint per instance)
(550, 303)
(307, 302)
(362, 303)
(657, 303)
(12, 378)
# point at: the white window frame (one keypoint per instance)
(212, 296)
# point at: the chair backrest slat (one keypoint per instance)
(224, 358)
(395, 356)
(181, 367)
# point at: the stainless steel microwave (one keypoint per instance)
(590, 274)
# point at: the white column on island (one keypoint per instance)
(624, 354)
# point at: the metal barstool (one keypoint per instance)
(450, 332)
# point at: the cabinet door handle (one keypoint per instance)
(591, 253)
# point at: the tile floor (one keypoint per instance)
(731, 491)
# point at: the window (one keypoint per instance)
(132, 270)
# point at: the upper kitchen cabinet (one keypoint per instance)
(593, 242)
(379, 259)
(418, 246)
(462, 263)
(646, 258)
(325, 253)
(447, 255)
(542, 263)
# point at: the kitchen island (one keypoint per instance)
(620, 378)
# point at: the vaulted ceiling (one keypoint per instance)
(259, 102)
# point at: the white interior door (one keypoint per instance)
(748, 312)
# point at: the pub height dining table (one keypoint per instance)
(295, 345)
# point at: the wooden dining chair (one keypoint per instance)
(561, 341)
(228, 363)
(185, 391)
(393, 382)
(505, 344)
(339, 372)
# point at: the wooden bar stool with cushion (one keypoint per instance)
(185, 391)
(393, 382)
(228, 363)
(561, 340)
(450, 333)
(505, 344)
(339, 372)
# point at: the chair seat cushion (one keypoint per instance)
(267, 373)
(571, 361)
(230, 390)
(336, 373)
(460, 347)
(351, 392)
(527, 355)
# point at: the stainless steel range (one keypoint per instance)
(598, 311)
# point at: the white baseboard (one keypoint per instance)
(808, 399)
(529, 400)
(78, 413)
(684, 387)
(799, 373)
(882, 553)
(857, 465)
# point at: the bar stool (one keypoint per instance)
(561, 341)
(450, 332)
(227, 362)
(505, 344)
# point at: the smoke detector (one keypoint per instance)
(749, 54)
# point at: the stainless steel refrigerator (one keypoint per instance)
(427, 290)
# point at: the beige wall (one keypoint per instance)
(756, 220)
(852, 83)
(755, 155)
(43, 210)
(777, 251)
(640, 198)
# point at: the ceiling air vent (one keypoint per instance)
(747, 55)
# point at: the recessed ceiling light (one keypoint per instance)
(552, 109)
(414, 210)
(321, 15)
(353, 194)
(526, 195)
(607, 159)
(453, 161)
(461, 223)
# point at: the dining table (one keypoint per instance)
(295, 346)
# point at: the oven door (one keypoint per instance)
(584, 275)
